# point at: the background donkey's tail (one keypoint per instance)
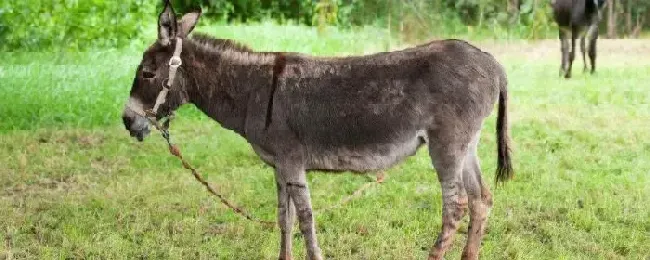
(504, 165)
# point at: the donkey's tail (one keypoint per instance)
(504, 165)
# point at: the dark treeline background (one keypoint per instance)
(42, 24)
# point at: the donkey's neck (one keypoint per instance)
(220, 83)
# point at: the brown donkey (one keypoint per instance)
(365, 113)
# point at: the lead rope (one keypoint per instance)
(175, 151)
(357, 193)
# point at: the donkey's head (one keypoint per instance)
(157, 84)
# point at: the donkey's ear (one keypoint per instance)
(188, 22)
(167, 27)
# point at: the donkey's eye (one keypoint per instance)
(148, 74)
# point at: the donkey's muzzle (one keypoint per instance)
(140, 134)
(137, 126)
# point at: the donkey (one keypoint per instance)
(577, 18)
(359, 114)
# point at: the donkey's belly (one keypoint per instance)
(367, 158)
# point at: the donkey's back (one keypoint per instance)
(369, 112)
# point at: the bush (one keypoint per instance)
(246, 11)
(72, 24)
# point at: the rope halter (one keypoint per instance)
(174, 63)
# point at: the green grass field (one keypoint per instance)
(74, 185)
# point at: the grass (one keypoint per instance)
(74, 185)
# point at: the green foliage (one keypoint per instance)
(325, 12)
(246, 11)
(215, 10)
(71, 24)
(86, 24)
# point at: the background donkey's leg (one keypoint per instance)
(564, 48)
(583, 50)
(286, 213)
(480, 201)
(448, 161)
(572, 54)
(593, 37)
(296, 181)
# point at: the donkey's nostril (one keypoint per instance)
(148, 74)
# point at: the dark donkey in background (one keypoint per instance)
(577, 18)
(366, 113)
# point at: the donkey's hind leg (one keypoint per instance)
(592, 35)
(583, 50)
(480, 201)
(572, 54)
(564, 49)
(447, 159)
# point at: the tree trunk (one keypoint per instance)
(513, 11)
(481, 13)
(611, 19)
(638, 28)
(628, 17)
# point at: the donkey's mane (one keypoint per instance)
(219, 44)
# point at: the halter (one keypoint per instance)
(174, 63)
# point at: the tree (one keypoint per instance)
(513, 11)
(611, 19)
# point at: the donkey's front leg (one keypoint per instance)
(286, 214)
(296, 182)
